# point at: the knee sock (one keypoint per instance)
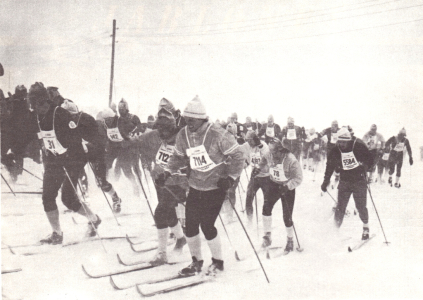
(215, 247)
(194, 245)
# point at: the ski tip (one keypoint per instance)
(119, 260)
(113, 283)
(86, 273)
(11, 251)
(237, 257)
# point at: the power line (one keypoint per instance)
(273, 27)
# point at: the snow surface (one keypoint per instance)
(324, 270)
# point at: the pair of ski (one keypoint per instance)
(197, 280)
(360, 244)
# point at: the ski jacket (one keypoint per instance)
(219, 145)
(264, 131)
(374, 141)
(394, 141)
(291, 167)
(258, 157)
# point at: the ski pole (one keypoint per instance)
(251, 243)
(224, 227)
(370, 193)
(8, 185)
(32, 174)
(83, 206)
(145, 195)
(240, 199)
(107, 200)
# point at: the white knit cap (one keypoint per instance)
(344, 134)
(70, 106)
(195, 109)
(291, 120)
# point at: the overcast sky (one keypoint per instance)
(356, 61)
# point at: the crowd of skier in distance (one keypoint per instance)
(194, 163)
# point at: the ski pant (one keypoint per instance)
(375, 155)
(98, 164)
(165, 213)
(381, 165)
(287, 199)
(55, 177)
(253, 186)
(202, 209)
(128, 160)
(307, 148)
(359, 191)
(395, 160)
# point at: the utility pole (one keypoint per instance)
(113, 63)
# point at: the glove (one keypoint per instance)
(283, 189)
(324, 185)
(161, 179)
(225, 183)
(411, 161)
(256, 140)
(255, 172)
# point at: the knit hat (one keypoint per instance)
(234, 116)
(344, 134)
(248, 120)
(37, 92)
(150, 118)
(334, 123)
(123, 104)
(195, 109)
(163, 112)
(270, 118)
(70, 106)
(290, 120)
(373, 127)
(402, 131)
(312, 131)
(164, 103)
(105, 113)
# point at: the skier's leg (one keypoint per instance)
(344, 194)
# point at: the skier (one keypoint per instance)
(180, 122)
(93, 130)
(354, 158)
(270, 130)
(259, 156)
(63, 156)
(294, 135)
(238, 127)
(250, 125)
(285, 176)
(311, 149)
(382, 164)
(396, 145)
(159, 143)
(375, 143)
(207, 148)
(330, 137)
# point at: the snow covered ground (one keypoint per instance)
(324, 270)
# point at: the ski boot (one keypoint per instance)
(390, 181)
(159, 259)
(267, 240)
(92, 227)
(289, 246)
(193, 268)
(305, 167)
(365, 235)
(397, 185)
(215, 268)
(53, 239)
(180, 243)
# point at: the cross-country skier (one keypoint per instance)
(382, 164)
(206, 148)
(330, 137)
(294, 135)
(354, 158)
(93, 130)
(285, 176)
(270, 130)
(375, 143)
(259, 156)
(397, 144)
(158, 145)
(63, 156)
(250, 125)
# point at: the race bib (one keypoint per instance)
(316, 147)
(349, 161)
(291, 134)
(249, 128)
(385, 156)
(399, 147)
(372, 142)
(255, 159)
(277, 173)
(164, 154)
(51, 143)
(114, 134)
(334, 137)
(270, 131)
(199, 159)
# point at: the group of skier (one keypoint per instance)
(195, 164)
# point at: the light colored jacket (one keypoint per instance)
(219, 145)
(292, 169)
(374, 141)
(264, 153)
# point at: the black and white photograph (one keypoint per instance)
(211, 149)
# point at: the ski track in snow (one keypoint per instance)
(324, 270)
